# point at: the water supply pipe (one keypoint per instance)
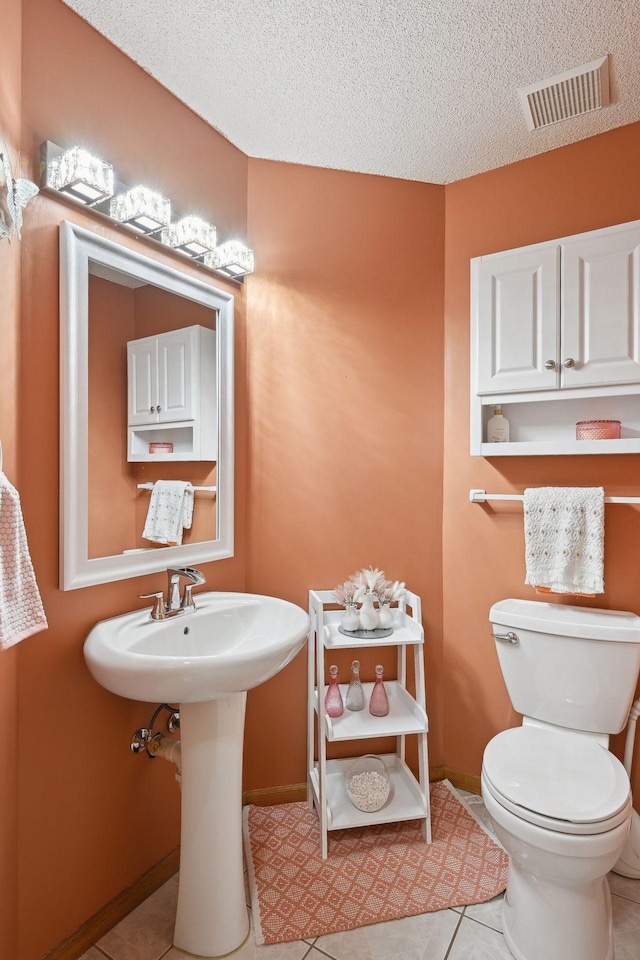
(169, 749)
(629, 863)
(634, 713)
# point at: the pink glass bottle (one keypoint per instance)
(333, 698)
(379, 703)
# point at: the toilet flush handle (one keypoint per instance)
(506, 637)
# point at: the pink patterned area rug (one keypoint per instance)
(372, 874)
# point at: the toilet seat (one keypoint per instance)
(558, 780)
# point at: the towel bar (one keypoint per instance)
(481, 496)
(149, 486)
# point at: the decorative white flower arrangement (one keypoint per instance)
(368, 587)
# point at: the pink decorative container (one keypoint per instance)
(598, 430)
(160, 448)
(333, 698)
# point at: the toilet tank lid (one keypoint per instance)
(590, 623)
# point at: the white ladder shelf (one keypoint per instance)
(327, 792)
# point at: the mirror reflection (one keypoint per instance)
(152, 415)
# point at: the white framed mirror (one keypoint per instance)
(112, 301)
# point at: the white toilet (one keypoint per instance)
(559, 800)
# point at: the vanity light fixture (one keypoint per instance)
(81, 175)
(78, 175)
(142, 209)
(231, 259)
(191, 235)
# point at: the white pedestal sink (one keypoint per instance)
(204, 661)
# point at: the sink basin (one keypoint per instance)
(233, 642)
(205, 662)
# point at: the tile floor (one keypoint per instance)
(464, 933)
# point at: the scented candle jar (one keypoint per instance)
(598, 430)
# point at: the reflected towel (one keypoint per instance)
(170, 512)
(564, 539)
(21, 612)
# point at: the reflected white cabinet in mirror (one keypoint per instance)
(109, 296)
(172, 395)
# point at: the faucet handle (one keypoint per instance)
(187, 597)
(157, 613)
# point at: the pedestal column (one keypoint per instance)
(212, 915)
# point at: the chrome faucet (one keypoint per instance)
(175, 605)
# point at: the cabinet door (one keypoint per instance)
(142, 374)
(176, 375)
(601, 308)
(516, 299)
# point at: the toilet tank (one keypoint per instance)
(576, 667)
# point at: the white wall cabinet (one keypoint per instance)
(556, 322)
(172, 394)
(327, 792)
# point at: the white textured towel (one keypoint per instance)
(170, 512)
(21, 612)
(564, 538)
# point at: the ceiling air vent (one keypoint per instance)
(566, 95)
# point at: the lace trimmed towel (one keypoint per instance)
(170, 512)
(21, 611)
(564, 539)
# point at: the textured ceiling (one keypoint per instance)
(405, 88)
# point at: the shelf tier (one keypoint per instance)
(409, 632)
(166, 458)
(405, 716)
(554, 448)
(406, 800)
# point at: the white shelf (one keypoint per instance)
(554, 448)
(184, 437)
(405, 715)
(404, 632)
(406, 801)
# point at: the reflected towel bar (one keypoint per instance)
(481, 496)
(149, 486)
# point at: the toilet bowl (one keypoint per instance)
(560, 801)
(561, 807)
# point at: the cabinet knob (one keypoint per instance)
(152, 409)
(549, 364)
(159, 408)
(569, 362)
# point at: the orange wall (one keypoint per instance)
(344, 382)
(588, 185)
(10, 126)
(92, 816)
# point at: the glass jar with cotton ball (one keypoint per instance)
(368, 783)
